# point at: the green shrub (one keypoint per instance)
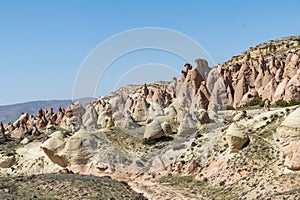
(262, 103)
(230, 108)
(256, 101)
(294, 102)
(281, 103)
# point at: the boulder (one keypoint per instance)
(153, 130)
(291, 124)
(187, 127)
(7, 161)
(53, 146)
(236, 137)
(292, 152)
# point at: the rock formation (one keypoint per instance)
(176, 128)
(289, 134)
(270, 71)
(236, 136)
(153, 130)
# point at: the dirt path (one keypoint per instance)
(155, 191)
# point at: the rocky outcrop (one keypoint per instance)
(140, 110)
(72, 119)
(90, 117)
(3, 137)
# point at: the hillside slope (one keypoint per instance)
(175, 140)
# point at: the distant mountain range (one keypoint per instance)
(10, 113)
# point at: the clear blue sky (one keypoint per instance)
(43, 43)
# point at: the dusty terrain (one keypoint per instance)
(65, 186)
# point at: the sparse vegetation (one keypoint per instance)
(196, 188)
(66, 186)
(230, 107)
(123, 140)
(257, 102)
(186, 181)
(283, 103)
(294, 102)
(131, 143)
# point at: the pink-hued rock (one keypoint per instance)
(280, 90)
(292, 152)
(291, 66)
(292, 89)
(96, 170)
(213, 168)
(192, 167)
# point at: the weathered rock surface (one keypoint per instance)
(292, 152)
(289, 133)
(236, 137)
(153, 130)
(7, 161)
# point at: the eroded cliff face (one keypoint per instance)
(268, 71)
